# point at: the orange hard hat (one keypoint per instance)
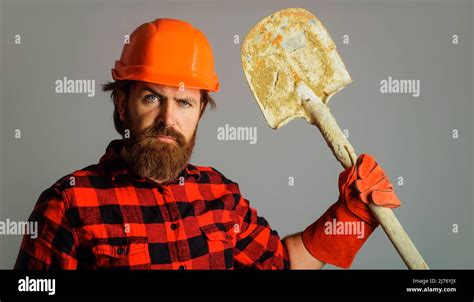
(169, 52)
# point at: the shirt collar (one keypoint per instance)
(113, 165)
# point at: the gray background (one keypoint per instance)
(410, 137)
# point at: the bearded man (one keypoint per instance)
(144, 206)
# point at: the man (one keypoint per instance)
(143, 206)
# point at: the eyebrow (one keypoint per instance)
(188, 99)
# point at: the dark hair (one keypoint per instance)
(126, 87)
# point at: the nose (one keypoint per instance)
(167, 113)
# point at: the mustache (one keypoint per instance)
(162, 129)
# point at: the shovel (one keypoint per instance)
(293, 69)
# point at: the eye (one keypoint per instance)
(151, 98)
(184, 103)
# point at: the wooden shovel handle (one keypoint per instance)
(322, 118)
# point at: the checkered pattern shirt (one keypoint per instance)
(106, 216)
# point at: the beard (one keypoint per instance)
(152, 158)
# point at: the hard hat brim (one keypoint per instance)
(150, 75)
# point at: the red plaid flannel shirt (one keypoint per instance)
(105, 216)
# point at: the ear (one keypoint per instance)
(120, 103)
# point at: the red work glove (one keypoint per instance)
(337, 236)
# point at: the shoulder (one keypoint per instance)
(78, 178)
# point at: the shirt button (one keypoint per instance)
(120, 251)
(182, 268)
(174, 226)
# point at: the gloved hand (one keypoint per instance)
(332, 238)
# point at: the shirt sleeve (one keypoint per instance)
(54, 247)
(258, 246)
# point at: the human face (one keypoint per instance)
(162, 122)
